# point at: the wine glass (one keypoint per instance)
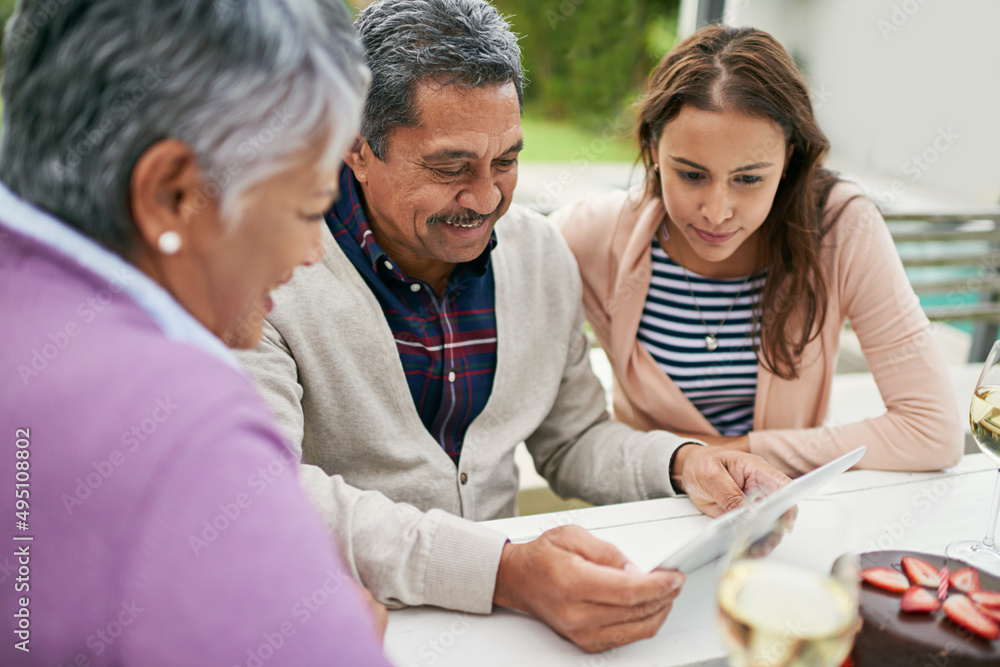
(789, 598)
(984, 418)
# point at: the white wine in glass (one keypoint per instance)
(793, 602)
(984, 419)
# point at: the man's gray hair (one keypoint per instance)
(248, 85)
(407, 42)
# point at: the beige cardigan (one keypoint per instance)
(611, 237)
(400, 510)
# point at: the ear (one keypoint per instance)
(359, 159)
(167, 192)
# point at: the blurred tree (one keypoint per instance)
(586, 60)
(6, 9)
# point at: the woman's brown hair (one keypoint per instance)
(746, 70)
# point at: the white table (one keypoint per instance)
(908, 511)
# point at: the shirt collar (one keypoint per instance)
(168, 315)
(350, 213)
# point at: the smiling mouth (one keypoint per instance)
(467, 219)
(467, 225)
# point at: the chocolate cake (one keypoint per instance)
(890, 636)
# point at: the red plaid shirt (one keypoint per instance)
(447, 346)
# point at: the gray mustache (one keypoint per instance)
(466, 218)
(456, 219)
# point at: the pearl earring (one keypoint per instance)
(169, 243)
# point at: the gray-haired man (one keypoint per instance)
(444, 327)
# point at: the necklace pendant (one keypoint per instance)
(711, 342)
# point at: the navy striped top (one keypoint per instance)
(722, 383)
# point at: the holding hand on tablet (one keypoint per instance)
(586, 590)
(579, 585)
(717, 480)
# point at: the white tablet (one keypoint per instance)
(720, 534)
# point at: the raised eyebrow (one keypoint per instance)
(749, 167)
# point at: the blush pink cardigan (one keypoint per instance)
(610, 235)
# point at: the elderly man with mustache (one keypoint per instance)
(443, 327)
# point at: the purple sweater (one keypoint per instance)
(166, 521)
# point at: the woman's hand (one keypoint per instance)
(719, 481)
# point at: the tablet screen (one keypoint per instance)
(718, 537)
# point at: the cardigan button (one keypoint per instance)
(464, 478)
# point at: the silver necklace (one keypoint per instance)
(711, 339)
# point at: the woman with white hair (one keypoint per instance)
(164, 166)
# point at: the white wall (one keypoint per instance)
(898, 79)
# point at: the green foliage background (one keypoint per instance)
(6, 9)
(587, 59)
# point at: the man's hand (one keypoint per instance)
(580, 586)
(717, 479)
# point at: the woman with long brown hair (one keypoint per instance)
(719, 287)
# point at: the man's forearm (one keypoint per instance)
(405, 556)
